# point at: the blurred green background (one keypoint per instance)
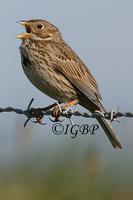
(35, 163)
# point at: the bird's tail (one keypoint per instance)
(106, 125)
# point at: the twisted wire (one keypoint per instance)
(39, 113)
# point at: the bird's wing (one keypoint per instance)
(69, 64)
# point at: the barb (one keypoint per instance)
(39, 113)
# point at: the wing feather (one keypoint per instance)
(71, 66)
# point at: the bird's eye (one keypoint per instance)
(40, 26)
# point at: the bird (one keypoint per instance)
(55, 69)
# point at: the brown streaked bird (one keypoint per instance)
(56, 70)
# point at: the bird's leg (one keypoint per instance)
(51, 106)
(58, 109)
(70, 103)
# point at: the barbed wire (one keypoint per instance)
(39, 113)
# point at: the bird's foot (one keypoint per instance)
(56, 112)
(69, 104)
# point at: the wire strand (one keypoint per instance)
(39, 113)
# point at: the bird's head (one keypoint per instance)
(38, 29)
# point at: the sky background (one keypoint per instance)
(101, 32)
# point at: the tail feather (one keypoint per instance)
(109, 132)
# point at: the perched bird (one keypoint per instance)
(56, 70)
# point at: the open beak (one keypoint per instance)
(23, 23)
(27, 34)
